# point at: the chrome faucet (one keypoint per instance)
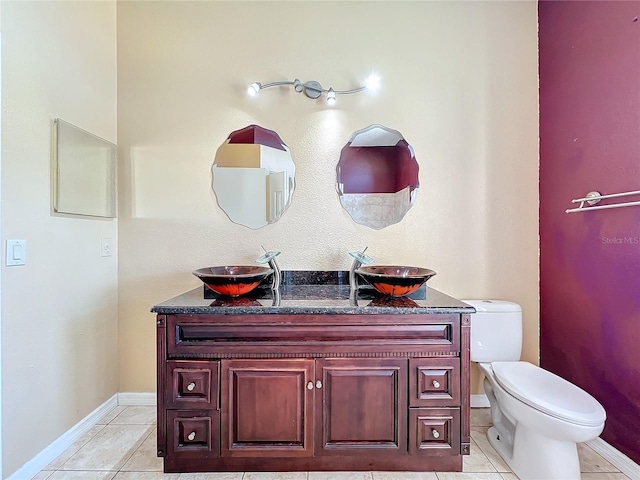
(270, 258)
(359, 259)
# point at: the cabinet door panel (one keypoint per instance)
(434, 431)
(361, 406)
(434, 382)
(267, 408)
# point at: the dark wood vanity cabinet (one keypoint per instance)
(313, 392)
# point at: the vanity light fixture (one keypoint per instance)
(313, 89)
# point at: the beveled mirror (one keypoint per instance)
(253, 176)
(377, 177)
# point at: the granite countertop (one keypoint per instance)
(312, 293)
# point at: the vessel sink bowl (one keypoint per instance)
(233, 281)
(394, 280)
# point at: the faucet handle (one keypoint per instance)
(267, 257)
(361, 257)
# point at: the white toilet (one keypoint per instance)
(538, 417)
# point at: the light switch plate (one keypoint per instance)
(16, 252)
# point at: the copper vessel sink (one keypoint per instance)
(233, 281)
(394, 280)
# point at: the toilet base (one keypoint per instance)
(536, 457)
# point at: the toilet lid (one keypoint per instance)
(549, 393)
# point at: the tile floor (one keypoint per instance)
(123, 447)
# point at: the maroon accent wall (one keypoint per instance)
(387, 169)
(590, 262)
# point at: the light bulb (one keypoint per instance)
(373, 82)
(331, 97)
(253, 89)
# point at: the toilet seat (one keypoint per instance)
(548, 393)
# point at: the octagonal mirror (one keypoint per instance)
(253, 176)
(377, 177)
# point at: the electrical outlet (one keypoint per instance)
(105, 249)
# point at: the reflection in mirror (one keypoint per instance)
(84, 172)
(377, 177)
(253, 176)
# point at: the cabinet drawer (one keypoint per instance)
(434, 382)
(192, 433)
(434, 431)
(231, 336)
(192, 384)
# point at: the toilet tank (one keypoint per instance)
(496, 331)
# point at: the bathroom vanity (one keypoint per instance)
(309, 377)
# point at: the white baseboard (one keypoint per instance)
(627, 466)
(50, 453)
(137, 398)
(479, 400)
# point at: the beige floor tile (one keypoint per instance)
(468, 476)
(136, 415)
(145, 458)
(109, 449)
(111, 415)
(43, 475)
(75, 446)
(338, 476)
(146, 476)
(404, 476)
(477, 461)
(604, 476)
(60, 475)
(479, 435)
(591, 461)
(211, 476)
(275, 476)
(481, 417)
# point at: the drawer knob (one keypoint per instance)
(192, 436)
(310, 386)
(191, 386)
(435, 433)
(318, 384)
(436, 384)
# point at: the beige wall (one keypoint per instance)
(459, 81)
(59, 311)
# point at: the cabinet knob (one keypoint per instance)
(191, 386)
(435, 433)
(436, 384)
(318, 384)
(191, 436)
(310, 386)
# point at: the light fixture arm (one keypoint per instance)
(312, 89)
(353, 90)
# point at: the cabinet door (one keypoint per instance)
(267, 408)
(361, 406)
